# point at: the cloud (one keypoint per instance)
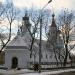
(55, 4)
(26, 3)
(60, 4)
(2, 0)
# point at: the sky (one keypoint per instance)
(54, 5)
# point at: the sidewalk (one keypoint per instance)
(14, 71)
(31, 72)
(51, 72)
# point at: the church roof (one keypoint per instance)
(53, 21)
(19, 41)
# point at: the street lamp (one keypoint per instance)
(40, 44)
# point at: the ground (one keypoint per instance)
(67, 73)
(31, 72)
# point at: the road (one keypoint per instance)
(67, 73)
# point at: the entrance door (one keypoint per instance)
(14, 62)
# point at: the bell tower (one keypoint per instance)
(52, 35)
(25, 24)
(53, 27)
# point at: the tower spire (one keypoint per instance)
(26, 13)
(53, 21)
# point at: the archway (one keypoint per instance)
(14, 62)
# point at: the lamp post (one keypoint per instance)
(40, 44)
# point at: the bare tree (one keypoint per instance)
(52, 44)
(66, 20)
(3, 9)
(35, 17)
(10, 15)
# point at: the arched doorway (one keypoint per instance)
(14, 62)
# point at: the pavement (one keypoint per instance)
(66, 73)
(32, 72)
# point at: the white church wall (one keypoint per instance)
(7, 60)
(46, 57)
(21, 55)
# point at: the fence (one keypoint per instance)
(52, 65)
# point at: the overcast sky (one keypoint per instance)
(55, 4)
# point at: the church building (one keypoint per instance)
(17, 53)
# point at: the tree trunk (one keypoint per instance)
(66, 55)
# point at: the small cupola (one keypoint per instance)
(25, 17)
